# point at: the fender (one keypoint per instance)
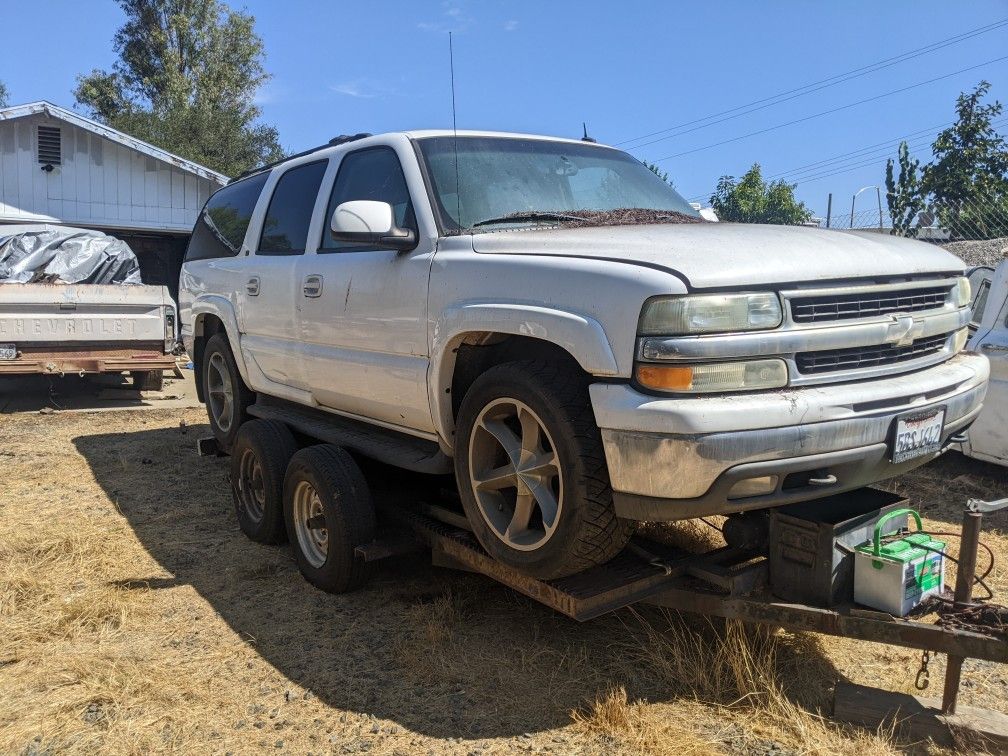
(580, 335)
(222, 308)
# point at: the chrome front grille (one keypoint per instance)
(831, 360)
(870, 303)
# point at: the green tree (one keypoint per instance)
(903, 194)
(968, 179)
(3, 95)
(185, 80)
(752, 200)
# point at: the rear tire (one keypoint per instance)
(147, 380)
(226, 395)
(328, 511)
(542, 502)
(259, 458)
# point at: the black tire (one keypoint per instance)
(347, 512)
(587, 531)
(147, 380)
(217, 355)
(259, 459)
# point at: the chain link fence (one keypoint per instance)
(975, 230)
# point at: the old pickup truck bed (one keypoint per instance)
(85, 328)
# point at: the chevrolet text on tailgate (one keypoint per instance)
(554, 323)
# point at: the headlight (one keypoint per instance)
(709, 313)
(715, 376)
(962, 294)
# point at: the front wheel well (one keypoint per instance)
(479, 352)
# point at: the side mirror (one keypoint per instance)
(370, 222)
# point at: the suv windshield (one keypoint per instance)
(504, 182)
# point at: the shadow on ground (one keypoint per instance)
(442, 653)
(110, 391)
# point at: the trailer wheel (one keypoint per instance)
(147, 380)
(227, 397)
(532, 473)
(328, 511)
(259, 458)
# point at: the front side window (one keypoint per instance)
(370, 174)
(489, 183)
(285, 227)
(221, 226)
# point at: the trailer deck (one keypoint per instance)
(729, 583)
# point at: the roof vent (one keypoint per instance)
(49, 146)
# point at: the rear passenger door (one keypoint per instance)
(363, 309)
(270, 290)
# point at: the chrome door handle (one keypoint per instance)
(312, 286)
(989, 347)
(252, 286)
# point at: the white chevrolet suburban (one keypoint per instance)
(553, 322)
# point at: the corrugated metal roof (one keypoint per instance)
(62, 114)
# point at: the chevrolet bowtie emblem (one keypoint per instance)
(903, 329)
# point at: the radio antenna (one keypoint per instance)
(458, 188)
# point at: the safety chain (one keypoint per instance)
(923, 678)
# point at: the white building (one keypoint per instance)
(57, 166)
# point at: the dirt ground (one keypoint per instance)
(135, 617)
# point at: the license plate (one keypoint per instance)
(917, 435)
(8, 352)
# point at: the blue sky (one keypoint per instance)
(628, 69)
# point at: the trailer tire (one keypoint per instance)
(225, 393)
(328, 512)
(259, 459)
(543, 506)
(147, 380)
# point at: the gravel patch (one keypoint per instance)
(976, 253)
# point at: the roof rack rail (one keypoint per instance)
(341, 139)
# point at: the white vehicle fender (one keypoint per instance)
(221, 308)
(580, 335)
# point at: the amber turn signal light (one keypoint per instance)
(665, 377)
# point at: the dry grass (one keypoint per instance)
(134, 617)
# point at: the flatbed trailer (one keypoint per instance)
(732, 583)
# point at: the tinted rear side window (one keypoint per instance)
(221, 226)
(285, 228)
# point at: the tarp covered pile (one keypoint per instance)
(60, 255)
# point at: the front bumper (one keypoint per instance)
(676, 458)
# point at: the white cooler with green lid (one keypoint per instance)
(896, 576)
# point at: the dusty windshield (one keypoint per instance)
(507, 182)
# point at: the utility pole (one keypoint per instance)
(829, 208)
(878, 196)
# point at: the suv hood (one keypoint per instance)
(722, 255)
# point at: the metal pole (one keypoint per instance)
(829, 208)
(852, 210)
(878, 195)
(963, 593)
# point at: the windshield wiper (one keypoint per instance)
(529, 217)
